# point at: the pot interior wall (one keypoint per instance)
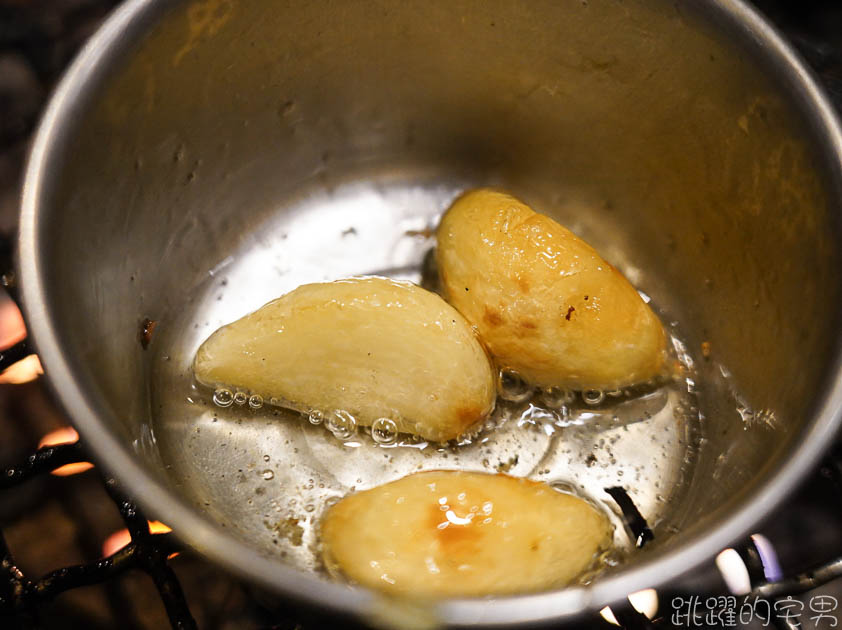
(635, 123)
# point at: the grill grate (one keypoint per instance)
(21, 598)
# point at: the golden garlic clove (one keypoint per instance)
(545, 303)
(451, 534)
(372, 347)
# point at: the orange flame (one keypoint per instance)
(23, 371)
(65, 435)
(644, 602)
(13, 330)
(120, 539)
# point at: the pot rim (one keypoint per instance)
(124, 27)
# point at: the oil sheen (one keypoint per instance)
(267, 474)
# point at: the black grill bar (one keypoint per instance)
(802, 582)
(634, 519)
(10, 356)
(750, 556)
(42, 461)
(630, 619)
(20, 597)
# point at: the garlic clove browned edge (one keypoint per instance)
(372, 347)
(546, 304)
(456, 534)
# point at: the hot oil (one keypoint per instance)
(267, 473)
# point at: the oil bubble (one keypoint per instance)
(565, 487)
(240, 398)
(316, 417)
(512, 387)
(384, 431)
(255, 401)
(555, 397)
(342, 424)
(223, 397)
(593, 396)
(266, 458)
(268, 475)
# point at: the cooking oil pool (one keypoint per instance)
(267, 474)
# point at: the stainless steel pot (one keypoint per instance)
(193, 142)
